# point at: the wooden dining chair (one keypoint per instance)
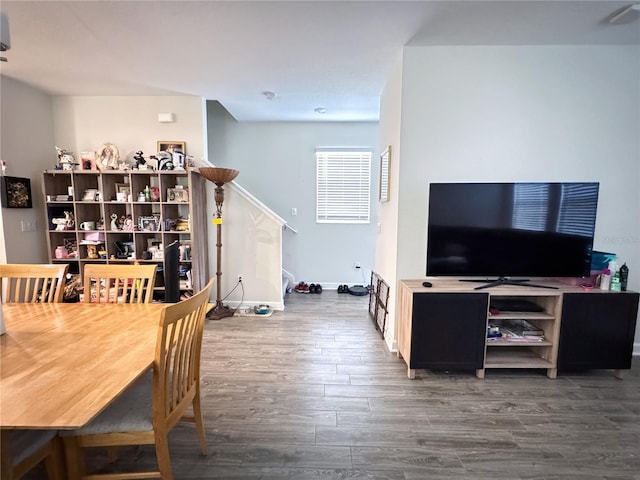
(31, 283)
(114, 283)
(147, 411)
(22, 450)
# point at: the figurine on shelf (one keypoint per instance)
(115, 226)
(178, 159)
(59, 223)
(66, 223)
(182, 225)
(66, 160)
(165, 161)
(141, 163)
(107, 157)
(128, 224)
(92, 252)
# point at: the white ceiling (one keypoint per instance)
(331, 54)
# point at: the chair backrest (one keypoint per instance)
(112, 283)
(31, 283)
(22, 450)
(176, 379)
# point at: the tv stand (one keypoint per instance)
(444, 327)
(506, 281)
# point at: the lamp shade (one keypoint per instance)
(219, 176)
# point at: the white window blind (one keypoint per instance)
(343, 186)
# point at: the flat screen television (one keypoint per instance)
(506, 230)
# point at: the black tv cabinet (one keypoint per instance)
(597, 331)
(444, 327)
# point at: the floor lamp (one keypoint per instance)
(219, 176)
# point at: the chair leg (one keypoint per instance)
(55, 463)
(198, 420)
(74, 458)
(162, 455)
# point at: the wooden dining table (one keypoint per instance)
(61, 364)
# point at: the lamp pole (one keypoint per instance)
(219, 176)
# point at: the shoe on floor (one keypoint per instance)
(318, 288)
(301, 288)
(312, 288)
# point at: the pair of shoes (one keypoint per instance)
(343, 288)
(315, 288)
(302, 288)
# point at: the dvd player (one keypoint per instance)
(514, 305)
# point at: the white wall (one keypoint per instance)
(130, 123)
(537, 113)
(251, 249)
(277, 164)
(27, 145)
(387, 214)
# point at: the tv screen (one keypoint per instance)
(511, 229)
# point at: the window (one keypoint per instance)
(343, 185)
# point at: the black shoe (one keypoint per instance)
(312, 288)
(318, 288)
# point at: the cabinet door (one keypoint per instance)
(448, 330)
(597, 330)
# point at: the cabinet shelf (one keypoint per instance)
(521, 315)
(163, 213)
(517, 357)
(518, 343)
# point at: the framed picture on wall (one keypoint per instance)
(16, 192)
(385, 165)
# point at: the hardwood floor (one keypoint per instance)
(313, 393)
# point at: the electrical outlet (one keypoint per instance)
(356, 265)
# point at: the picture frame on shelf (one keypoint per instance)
(122, 189)
(16, 192)
(178, 195)
(171, 145)
(148, 224)
(385, 167)
(90, 195)
(88, 161)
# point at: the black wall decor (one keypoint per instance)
(16, 192)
